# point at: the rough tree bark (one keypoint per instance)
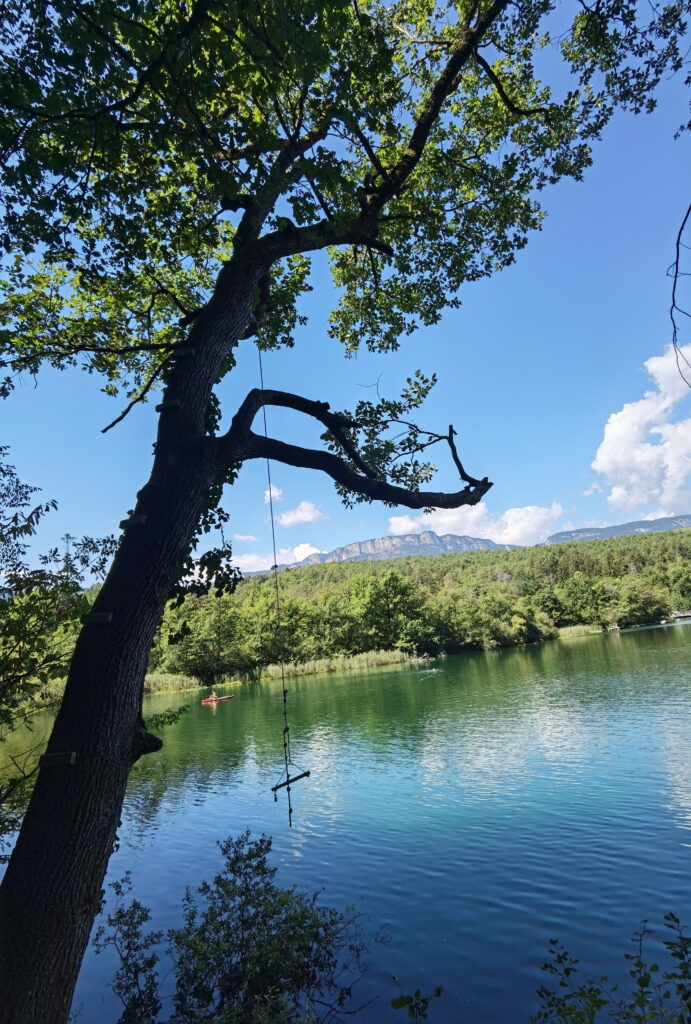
(52, 889)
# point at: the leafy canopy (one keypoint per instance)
(143, 142)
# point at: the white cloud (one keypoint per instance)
(644, 458)
(593, 489)
(272, 492)
(305, 512)
(527, 525)
(301, 551)
(243, 536)
(284, 556)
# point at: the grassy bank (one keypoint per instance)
(167, 682)
(565, 632)
(341, 663)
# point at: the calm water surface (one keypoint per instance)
(473, 813)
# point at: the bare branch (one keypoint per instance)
(240, 444)
(675, 272)
(257, 447)
(256, 399)
(454, 455)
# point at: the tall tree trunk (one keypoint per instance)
(52, 888)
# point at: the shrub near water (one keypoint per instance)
(655, 997)
(248, 952)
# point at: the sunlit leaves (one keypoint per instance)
(136, 138)
(387, 441)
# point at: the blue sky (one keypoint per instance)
(555, 364)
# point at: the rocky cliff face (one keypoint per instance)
(624, 529)
(382, 548)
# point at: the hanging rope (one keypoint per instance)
(285, 779)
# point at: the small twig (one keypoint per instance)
(676, 273)
(163, 290)
(367, 146)
(320, 199)
(374, 268)
(138, 398)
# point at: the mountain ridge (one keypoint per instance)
(382, 549)
(682, 522)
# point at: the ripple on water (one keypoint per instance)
(473, 813)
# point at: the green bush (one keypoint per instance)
(248, 952)
(655, 997)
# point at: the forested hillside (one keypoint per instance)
(479, 599)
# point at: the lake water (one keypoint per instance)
(472, 813)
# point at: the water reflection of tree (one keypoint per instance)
(384, 715)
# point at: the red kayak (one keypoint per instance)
(216, 700)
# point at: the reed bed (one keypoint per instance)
(340, 663)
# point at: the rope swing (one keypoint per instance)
(285, 779)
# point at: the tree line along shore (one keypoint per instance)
(337, 616)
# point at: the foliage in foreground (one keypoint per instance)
(656, 997)
(39, 612)
(248, 952)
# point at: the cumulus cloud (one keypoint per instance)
(243, 536)
(644, 457)
(284, 556)
(301, 551)
(272, 492)
(305, 512)
(527, 525)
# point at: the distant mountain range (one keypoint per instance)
(624, 529)
(381, 549)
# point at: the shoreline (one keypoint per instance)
(372, 660)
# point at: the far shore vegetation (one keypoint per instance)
(356, 615)
(359, 616)
(168, 682)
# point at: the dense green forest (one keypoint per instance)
(434, 605)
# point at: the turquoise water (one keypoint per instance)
(472, 813)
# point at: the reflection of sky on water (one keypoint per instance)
(477, 811)
(676, 755)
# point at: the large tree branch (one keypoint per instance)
(291, 240)
(281, 173)
(257, 399)
(445, 85)
(363, 230)
(240, 444)
(257, 447)
(335, 422)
